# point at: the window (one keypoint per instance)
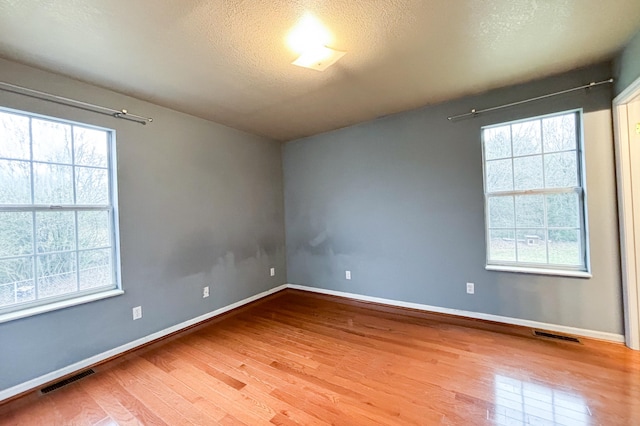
(57, 221)
(534, 195)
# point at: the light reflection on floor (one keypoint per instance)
(522, 403)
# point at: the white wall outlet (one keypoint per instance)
(347, 274)
(272, 271)
(205, 292)
(137, 312)
(471, 288)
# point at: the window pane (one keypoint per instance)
(529, 211)
(528, 172)
(93, 229)
(502, 246)
(559, 133)
(55, 231)
(53, 184)
(92, 186)
(16, 233)
(7, 294)
(497, 142)
(526, 138)
(15, 182)
(561, 170)
(56, 274)
(14, 136)
(499, 175)
(51, 141)
(563, 210)
(16, 281)
(90, 146)
(565, 247)
(95, 268)
(501, 212)
(532, 246)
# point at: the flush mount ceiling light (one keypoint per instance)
(319, 59)
(309, 38)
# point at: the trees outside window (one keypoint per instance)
(56, 210)
(534, 193)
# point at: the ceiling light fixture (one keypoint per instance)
(309, 38)
(318, 59)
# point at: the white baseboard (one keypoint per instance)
(49, 377)
(602, 335)
(46, 378)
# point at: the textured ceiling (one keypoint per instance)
(227, 60)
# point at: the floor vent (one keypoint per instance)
(65, 382)
(539, 333)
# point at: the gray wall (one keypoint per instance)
(200, 204)
(627, 64)
(399, 202)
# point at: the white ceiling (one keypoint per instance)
(227, 60)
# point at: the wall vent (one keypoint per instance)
(65, 382)
(539, 333)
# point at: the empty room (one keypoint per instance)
(397, 212)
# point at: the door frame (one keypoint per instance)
(628, 185)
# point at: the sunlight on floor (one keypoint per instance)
(523, 403)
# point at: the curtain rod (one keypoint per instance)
(123, 113)
(475, 112)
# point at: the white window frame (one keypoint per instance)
(582, 271)
(38, 306)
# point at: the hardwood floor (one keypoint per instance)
(300, 358)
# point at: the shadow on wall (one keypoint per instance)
(203, 251)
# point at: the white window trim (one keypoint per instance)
(38, 307)
(539, 271)
(532, 268)
(54, 306)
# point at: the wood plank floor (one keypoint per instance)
(299, 358)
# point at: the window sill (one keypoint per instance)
(538, 271)
(37, 310)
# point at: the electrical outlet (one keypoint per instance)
(137, 312)
(347, 274)
(272, 271)
(471, 288)
(205, 292)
